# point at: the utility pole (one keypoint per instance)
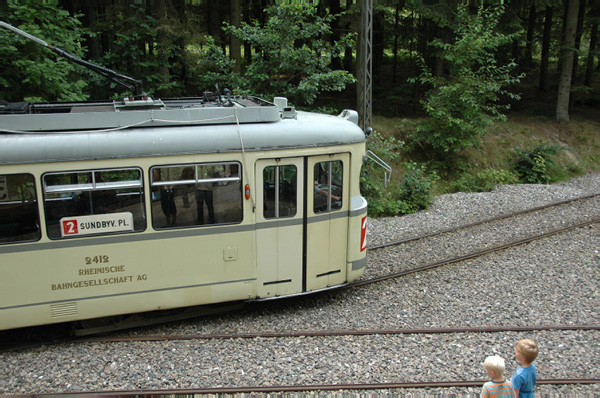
(365, 74)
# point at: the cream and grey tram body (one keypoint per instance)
(124, 207)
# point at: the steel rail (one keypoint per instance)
(337, 333)
(485, 221)
(315, 387)
(318, 333)
(471, 255)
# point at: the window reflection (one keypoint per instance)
(196, 194)
(328, 188)
(19, 215)
(280, 191)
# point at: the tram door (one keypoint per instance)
(327, 226)
(279, 230)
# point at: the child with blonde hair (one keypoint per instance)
(498, 387)
(523, 381)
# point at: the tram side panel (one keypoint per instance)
(357, 223)
(157, 268)
(59, 285)
(58, 274)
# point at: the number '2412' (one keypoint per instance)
(96, 260)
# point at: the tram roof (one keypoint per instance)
(170, 130)
(130, 112)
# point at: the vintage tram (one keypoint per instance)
(114, 208)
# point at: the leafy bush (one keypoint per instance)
(415, 187)
(214, 67)
(383, 201)
(462, 105)
(411, 195)
(484, 180)
(382, 204)
(388, 149)
(536, 166)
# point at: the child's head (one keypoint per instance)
(527, 350)
(494, 366)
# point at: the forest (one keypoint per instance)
(445, 71)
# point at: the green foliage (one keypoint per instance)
(31, 72)
(536, 166)
(462, 105)
(385, 148)
(214, 67)
(485, 180)
(383, 204)
(139, 52)
(412, 194)
(382, 201)
(416, 186)
(292, 54)
(328, 110)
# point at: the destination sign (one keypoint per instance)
(96, 224)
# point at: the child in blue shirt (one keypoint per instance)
(523, 381)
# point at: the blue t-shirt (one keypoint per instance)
(524, 380)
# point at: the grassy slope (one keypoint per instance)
(531, 122)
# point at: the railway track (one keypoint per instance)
(324, 388)
(354, 387)
(484, 221)
(474, 254)
(324, 333)
(405, 270)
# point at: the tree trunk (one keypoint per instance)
(521, 13)
(213, 17)
(105, 34)
(578, 33)
(531, 25)
(378, 46)
(564, 85)
(235, 45)
(348, 53)
(546, 49)
(396, 27)
(595, 15)
(162, 43)
(335, 8)
(180, 57)
(91, 21)
(590, 60)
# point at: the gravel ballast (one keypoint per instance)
(553, 281)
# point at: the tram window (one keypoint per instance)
(19, 215)
(328, 180)
(280, 191)
(196, 194)
(94, 202)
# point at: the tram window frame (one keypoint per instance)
(280, 199)
(22, 213)
(333, 183)
(96, 193)
(215, 177)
